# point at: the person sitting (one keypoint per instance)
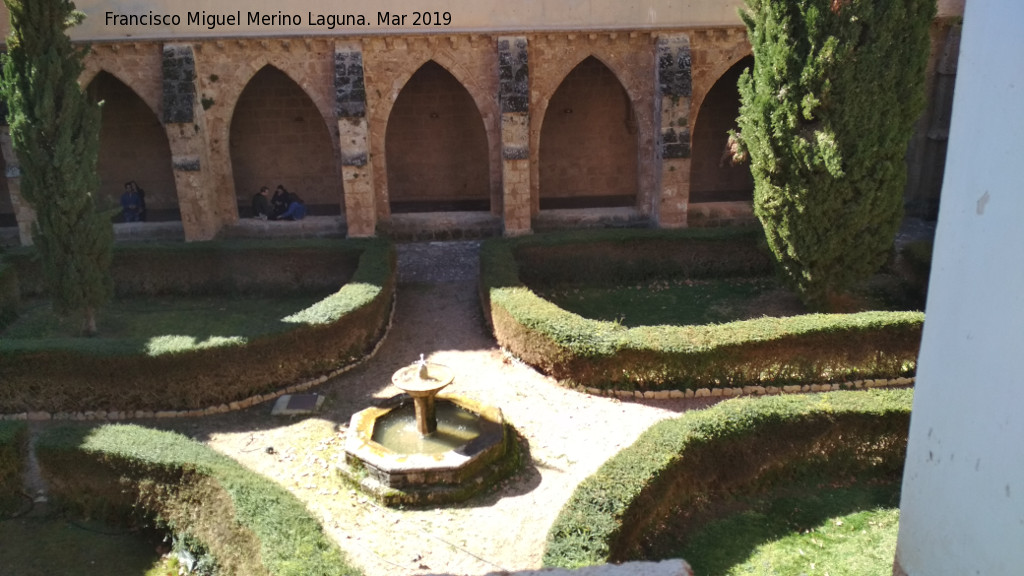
(142, 200)
(295, 208)
(280, 200)
(131, 203)
(261, 205)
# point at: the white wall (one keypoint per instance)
(963, 489)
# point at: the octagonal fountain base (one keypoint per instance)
(451, 465)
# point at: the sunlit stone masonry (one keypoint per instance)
(472, 119)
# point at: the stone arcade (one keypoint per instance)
(485, 118)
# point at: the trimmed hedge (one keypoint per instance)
(13, 437)
(611, 257)
(220, 267)
(250, 524)
(704, 461)
(86, 375)
(803, 349)
(9, 292)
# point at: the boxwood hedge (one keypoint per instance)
(803, 349)
(127, 473)
(8, 294)
(706, 460)
(82, 375)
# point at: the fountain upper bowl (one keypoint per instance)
(408, 379)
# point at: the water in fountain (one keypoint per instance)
(417, 448)
(398, 432)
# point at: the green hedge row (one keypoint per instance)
(13, 436)
(85, 375)
(8, 294)
(801, 349)
(250, 524)
(249, 266)
(703, 462)
(609, 257)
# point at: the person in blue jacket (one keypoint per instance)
(132, 204)
(293, 206)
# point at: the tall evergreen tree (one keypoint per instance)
(826, 115)
(55, 132)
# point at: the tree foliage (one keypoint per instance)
(826, 115)
(55, 133)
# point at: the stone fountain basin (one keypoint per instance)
(396, 478)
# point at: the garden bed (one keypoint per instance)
(848, 530)
(137, 476)
(50, 546)
(13, 441)
(332, 301)
(683, 473)
(619, 352)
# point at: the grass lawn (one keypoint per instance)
(676, 302)
(839, 532)
(45, 547)
(156, 325)
(683, 302)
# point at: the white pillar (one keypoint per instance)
(963, 487)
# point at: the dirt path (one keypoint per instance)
(570, 434)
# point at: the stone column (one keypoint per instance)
(23, 213)
(185, 124)
(514, 97)
(353, 134)
(672, 116)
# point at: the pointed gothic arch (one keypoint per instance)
(589, 142)
(133, 146)
(436, 148)
(713, 177)
(278, 136)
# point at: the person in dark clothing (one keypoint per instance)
(294, 207)
(142, 200)
(262, 207)
(280, 200)
(131, 203)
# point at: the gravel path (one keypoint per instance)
(570, 434)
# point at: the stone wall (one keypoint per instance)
(715, 52)
(508, 125)
(223, 71)
(279, 137)
(514, 98)
(713, 177)
(588, 143)
(133, 146)
(390, 63)
(630, 58)
(436, 146)
(672, 121)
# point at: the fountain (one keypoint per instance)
(420, 447)
(423, 383)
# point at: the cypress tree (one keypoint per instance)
(55, 133)
(826, 116)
